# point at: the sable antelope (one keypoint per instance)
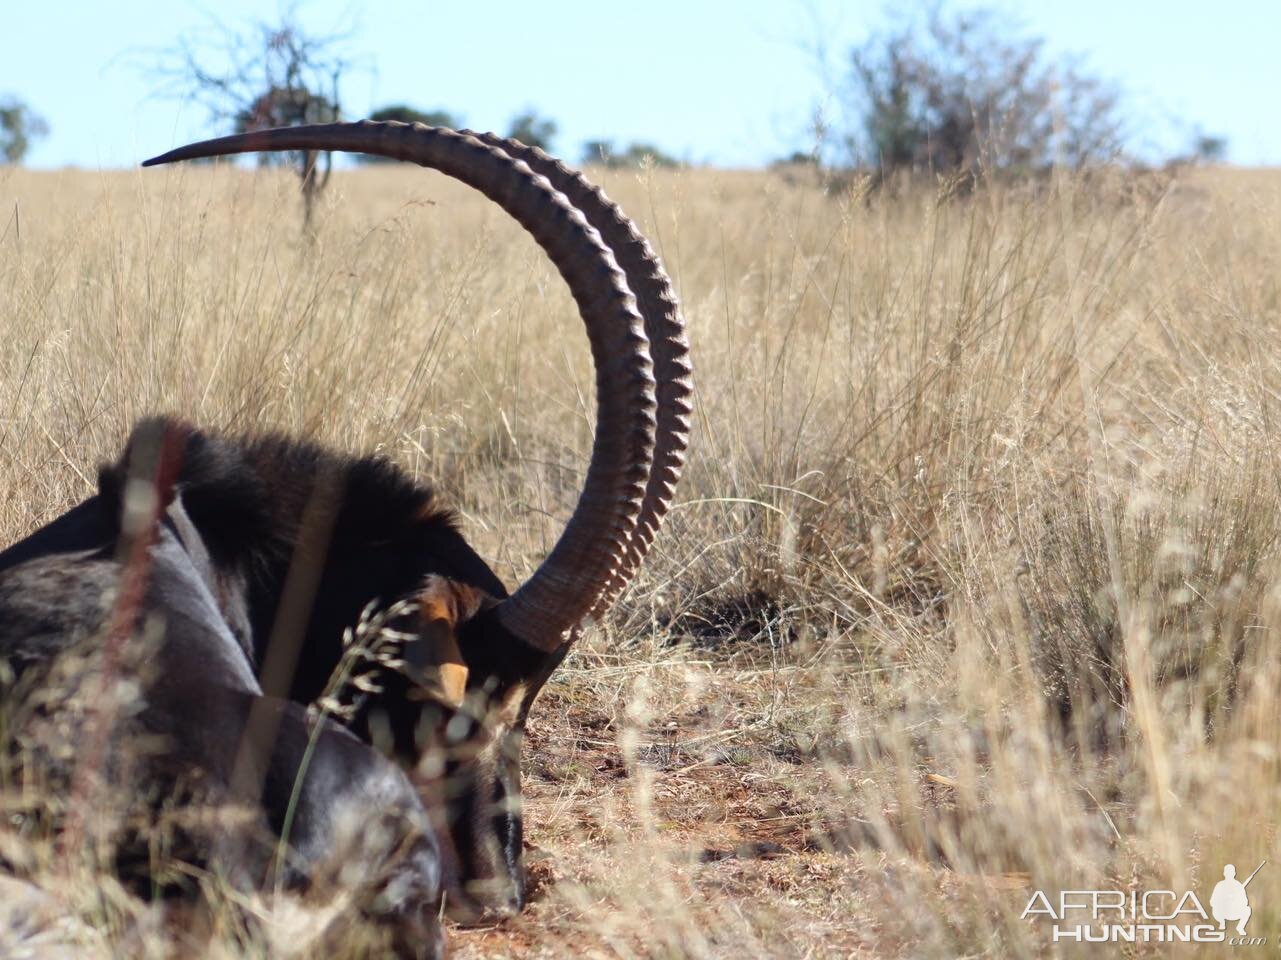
(266, 550)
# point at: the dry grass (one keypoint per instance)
(975, 584)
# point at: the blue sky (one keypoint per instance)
(731, 83)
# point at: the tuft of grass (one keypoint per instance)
(973, 588)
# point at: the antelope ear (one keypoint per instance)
(434, 656)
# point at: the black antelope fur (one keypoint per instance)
(249, 537)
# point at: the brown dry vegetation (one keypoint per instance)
(974, 584)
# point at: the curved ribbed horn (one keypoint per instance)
(591, 551)
(668, 343)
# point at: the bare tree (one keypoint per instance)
(269, 74)
(968, 92)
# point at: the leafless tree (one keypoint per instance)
(268, 74)
(968, 92)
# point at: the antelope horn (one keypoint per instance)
(668, 343)
(592, 550)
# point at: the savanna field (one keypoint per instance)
(972, 589)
